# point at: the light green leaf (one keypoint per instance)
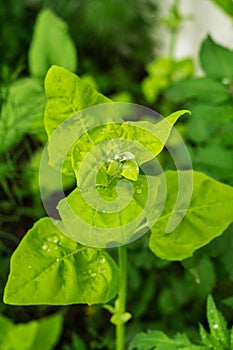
(204, 89)
(216, 60)
(225, 5)
(36, 335)
(217, 323)
(162, 73)
(130, 141)
(48, 268)
(209, 214)
(22, 113)
(130, 170)
(157, 340)
(66, 95)
(51, 44)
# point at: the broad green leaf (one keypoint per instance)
(22, 113)
(48, 268)
(225, 5)
(208, 215)
(51, 44)
(104, 215)
(217, 323)
(66, 95)
(204, 89)
(157, 340)
(216, 60)
(36, 335)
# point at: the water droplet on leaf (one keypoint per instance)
(102, 261)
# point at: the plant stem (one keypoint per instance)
(120, 327)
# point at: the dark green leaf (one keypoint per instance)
(216, 60)
(204, 89)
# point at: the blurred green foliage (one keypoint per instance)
(115, 41)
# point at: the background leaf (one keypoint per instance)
(216, 60)
(51, 44)
(48, 268)
(36, 335)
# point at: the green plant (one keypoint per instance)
(209, 131)
(220, 338)
(77, 273)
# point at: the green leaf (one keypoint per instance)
(216, 60)
(66, 95)
(208, 215)
(157, 340)
(51, 44)
(130, 170)
(36, 335)
(225, 5)
(22, 113)
(217, 324)
(104, 215)
(204, 89)
(74, 274)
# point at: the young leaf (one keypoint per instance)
(209, 214)
(36, 335)
(51, 44)
(217, 324)
(152, 136)
(216, 60)
(157, 340)
(48, 268)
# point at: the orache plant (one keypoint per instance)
(49, 267)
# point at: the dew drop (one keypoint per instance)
(44, 247)
(93, 274)
(103, 270)
(57, 259)
(49, 250)
(102, 261)
(139, 191)
(215, 326)
(103, 211)
(55, 248)
(29, 266)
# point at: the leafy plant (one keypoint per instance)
(76, 273)
(220, 338)
(210, 100)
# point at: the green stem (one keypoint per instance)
(120, 327)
